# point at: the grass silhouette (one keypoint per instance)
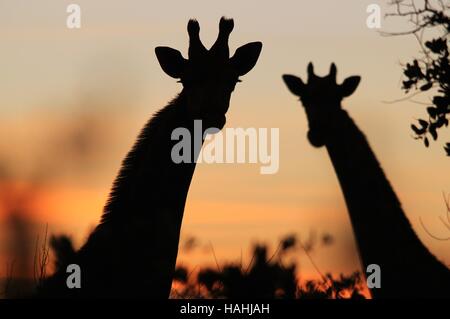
(266, 277)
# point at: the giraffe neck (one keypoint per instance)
(149, 180)
(142, 218)
(383, 233)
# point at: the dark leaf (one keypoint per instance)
(423, 123)
(441, 102)
(413, 71)
(432, 111)
(433, 131)
(447, 149)
(426, 86)
(437, 45)
(417, 130)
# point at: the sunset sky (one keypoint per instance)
(104, 81)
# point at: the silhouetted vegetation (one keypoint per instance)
(266, 277)
(431, 71)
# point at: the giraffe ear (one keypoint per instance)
(349, 86)
(294, 84)
(171, 61)
(246, 57)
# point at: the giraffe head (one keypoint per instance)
(209, 76)
(321, 97)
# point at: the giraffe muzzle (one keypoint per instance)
(316, 138)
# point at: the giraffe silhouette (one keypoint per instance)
(133, 251)
(383, 233)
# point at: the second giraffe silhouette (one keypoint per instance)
(132, 253)
(383, 233)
